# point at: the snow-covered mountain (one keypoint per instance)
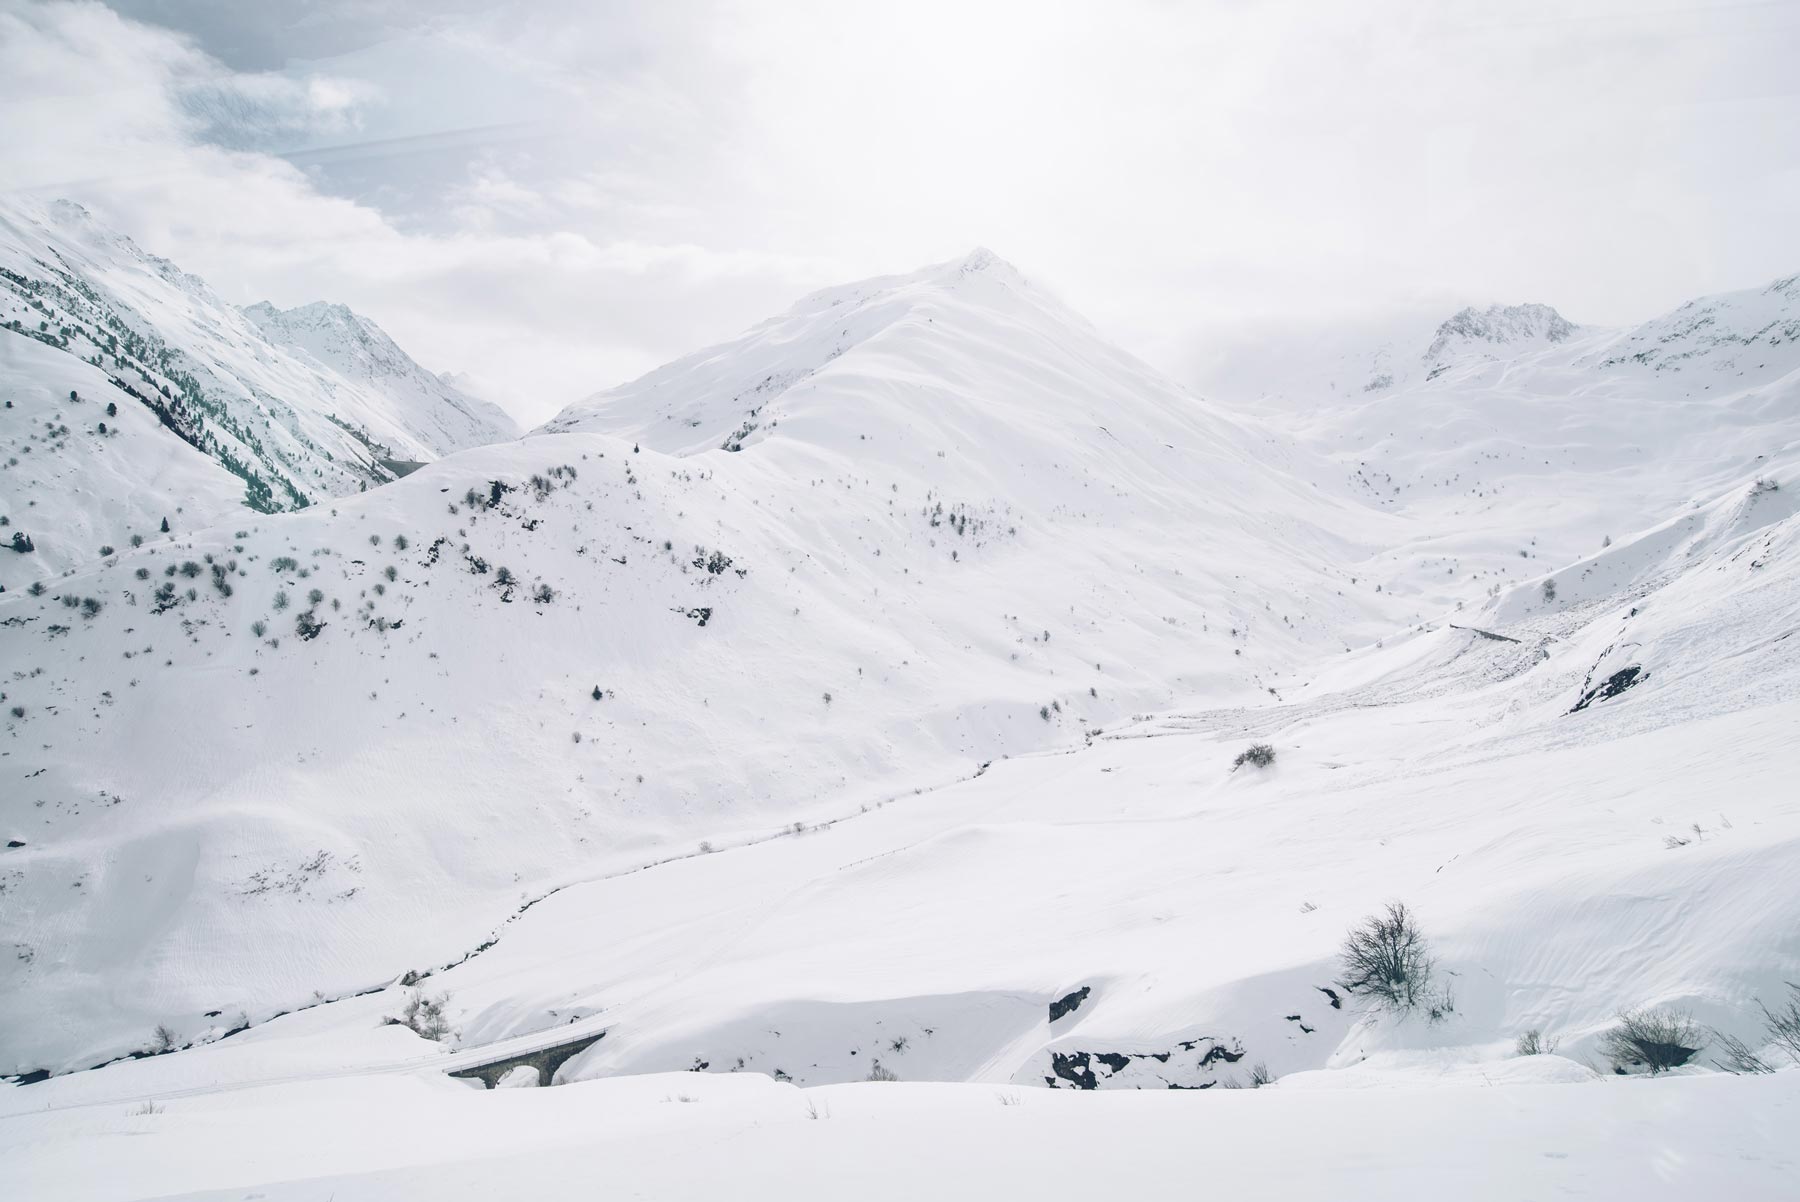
(300, 406)
(1513, 441)
(436, 412)
(1499, 331)
(866, 698)
(966, 528)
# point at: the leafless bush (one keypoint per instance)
(424, 1015)
(1535, 1043)
(1388, 959)
(878, 1073)
(1658, 1040)
(1738, 1057)
(1257, 755)
(1783, 1025)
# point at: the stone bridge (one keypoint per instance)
(545, 1060)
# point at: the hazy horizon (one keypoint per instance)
(550, 200)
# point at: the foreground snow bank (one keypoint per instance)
(743, 1136)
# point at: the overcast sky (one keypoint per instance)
(554, 196)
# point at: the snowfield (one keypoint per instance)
(707, 1137)
(824, 752)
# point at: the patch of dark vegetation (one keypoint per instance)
(1257, 755)
(1654, 1040)
(1387, 959)
(1535, 1043)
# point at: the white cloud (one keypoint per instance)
(551, 196)
(541, 316)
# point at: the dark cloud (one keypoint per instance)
(250, 35)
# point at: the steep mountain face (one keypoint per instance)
(438, 413)
(905, 530)
(291, 428)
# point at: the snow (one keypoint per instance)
(437, 412)
(866, 691)
(73, 493)
(707, 1137)
(308, 404)
(786, 634)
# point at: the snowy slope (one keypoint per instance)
(436, 412)
(1133, 914)
(73, 489)
(292, 428)
(1514, 442)
(867, 690)
(682, 1137)
(979, 531)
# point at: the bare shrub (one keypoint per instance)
(1535, 1043)
(424, 1015)
(1440, 1004)
(1738, 1057)
(878, 1073)
(1783, 1026)
(1387, 959)
(1658, 1040)
(1257, 755)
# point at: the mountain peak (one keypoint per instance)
(358, 349)
(1500, 325)
(69, 211)
(983, 260)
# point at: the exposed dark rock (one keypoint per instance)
(1072, 1067)
(1069, 1003)
(1612, 686)
(1486, 634)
